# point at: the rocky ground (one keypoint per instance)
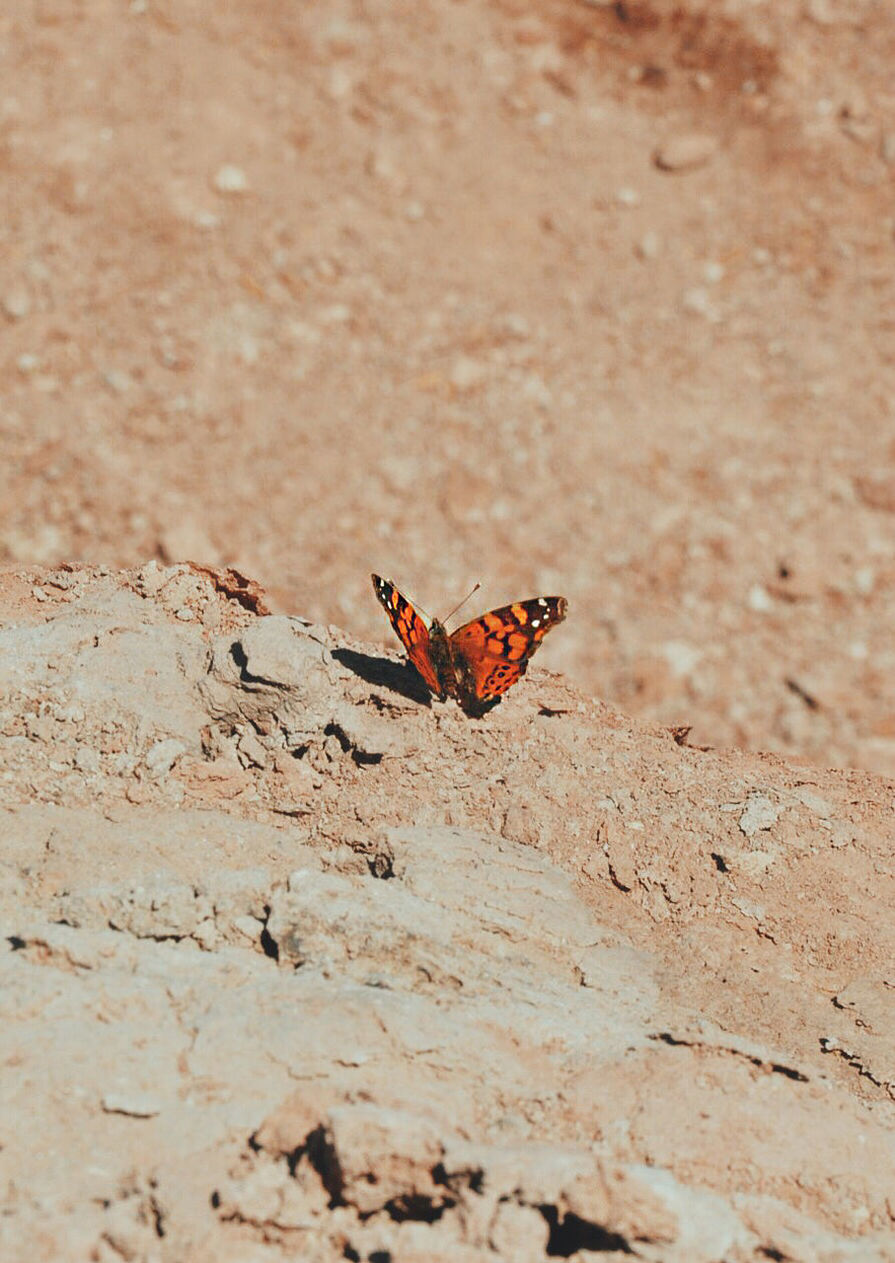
(299, 966)
(579, 298)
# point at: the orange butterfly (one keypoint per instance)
(479, 661)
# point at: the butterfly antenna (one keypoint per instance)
(462, 603)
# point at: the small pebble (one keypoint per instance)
(648, 246)
(681, 657)
(340, 84)
(759, 599)
(697, 302)
(516, 325)
(117, 381)
(17, 303)
(466, 373)
(230, 179)
(536, 389)
(628, 197)
(759, 814)
(685, 153)
(151, 578)
(185, 614)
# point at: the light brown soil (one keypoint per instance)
(298, 966)
(581, 298)
(459, 325)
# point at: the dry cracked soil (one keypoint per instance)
(575, 297)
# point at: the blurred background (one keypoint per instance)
(571, 297)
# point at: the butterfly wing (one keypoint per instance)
(411, 629)
(491, 653)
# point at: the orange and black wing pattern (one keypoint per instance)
(411, 629)
(491, 653)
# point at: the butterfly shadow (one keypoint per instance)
(399, 677)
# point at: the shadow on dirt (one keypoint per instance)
(399, 677)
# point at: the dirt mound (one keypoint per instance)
(300, 965)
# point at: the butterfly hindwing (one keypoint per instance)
(411, 629)
(491, 653)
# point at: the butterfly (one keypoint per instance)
(478, 662)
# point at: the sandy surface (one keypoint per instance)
(325, 289)
(581, 298)
(299, 966)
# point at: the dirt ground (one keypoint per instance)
(578, 298)
(324, 289)
(299, 967)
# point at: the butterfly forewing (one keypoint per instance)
(411, 629)
(491, 653)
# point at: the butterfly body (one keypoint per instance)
(438, 650)
(478, 662)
